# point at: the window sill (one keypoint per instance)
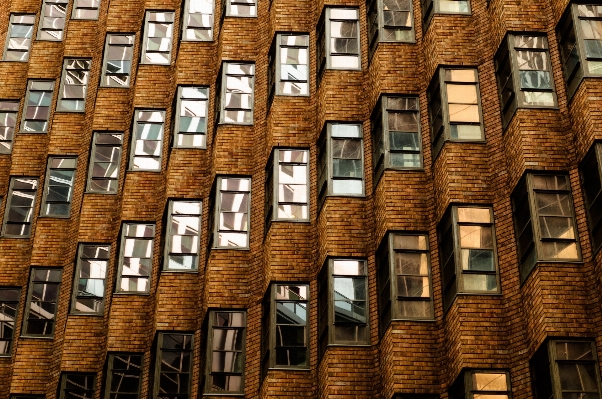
(174, 271)
(234, 124)
(99, 193)
(22, 62)
(231, 248)
(25, 132)
(224, 394)
(145, 170)
(54, 217)
(114, 87)
(131, 293)
(37, 337)
(293, 369)
(291, 221)
(151, 64)
(64, 111)
(188, 148)
(240, 16)
(87, 314)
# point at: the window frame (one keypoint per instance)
(76, 7)
(10, 143)
(25, 105)
(91, 163)
(109, 376)
(119, 273)
(440, 82)
(105, 60)
(430, 8)
(169, 236)
(268, 349)
(134, 138)
(177, 116)
(28, 300)
(15, 320)
(585, 174)
(227, 10)
(323, 30)
(63, 382)
(8, 205)
(379, 24)
(275, 65)
(185, 26)
(8, 35)
(46, 189)
(205, 388)
(463, 385)
(221, 91)
(215, 210)
(145, 32)
(158, 360)
(59, 105)
(40, 29)
(76, 279)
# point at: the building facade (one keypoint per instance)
(325, 199)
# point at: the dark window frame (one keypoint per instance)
(76, 279)
(186, 17)
(177, 116)
(28, 301)
(275, 65)
(215, 210)
(59, 103)
(122, 241)
(158, 361)
(169, 234)
(463, 386)
(8, 206)
(221, 92)
(8, 107)
(92, 162)
(28, 92)
(43, 212)
(591, 179)
(134, 139)
(63, 384)
(105, 61)
(8, 36)
(432, 7)
(7, 303)
(376, 26)
(41, 30)
(110, 372)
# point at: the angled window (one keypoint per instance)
(524, 74)
(183, 236)
(36, 110)
(77, 385)
(42, 300)
(396, 137)
(58, 188)
(173, 366)
(191, 117)
(454, 101)
(52, 20)
(146, 149)
(544, 221)
(225, 353)
(85, 9)
(105, 161)
(468, 252)
(580, 48)
(285, 329)
(117, 60)
(124, 373)
(135, 258)
(287, 185)
(8, 122)
(591, 180)
(239, 8)
(390, 21)
(74, 85)
(198, 21)
(229, 216)
(343, 304)
(405, 290)
(564, 368)
(288, 69)
(20, 204)
(489, 383)
(89, 284)
(9, 307)
(158, 32)
(235, 90)
(338, 44)
(18, 39)
(432, 7)
(341, 161)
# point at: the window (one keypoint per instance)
(52, 20)
(117, 65)
(524, 77)
(581, 48)
(455, 107)
(239, 8)
(468, 252)
(341, 161)
(18, 39)
(191, 117)
(158, 32)
(432, 7)
(198, 21)
(58, 189)
(9, 306)
(85, 9)
(405, 289)
(390, 21)
(173, 368)
(229, 218)
(396, 137)
(339, 40)
(8, 121)
(20, 204)
(36, 110)
(77, 385)
(225, 359)
(74, 85)
(481, 384)
(544, 221)
(591, 181)
(285, 329)
(105, 159)
(183, 236)
(343, 304)
(147, 140)
(135, 258)
(89, 285)
(235, 93)
(124, 373)
(287, 187)
(565, 369)
(42, 301)
(289, 65)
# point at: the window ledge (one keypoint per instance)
(98, 193)
(145, 170)
(37, 337)
(234, 124)
(189, 148)
(114, 87)
(64, 111)
(132, 293)
(86, 314)
(172, 271)
(224, 394)
(293, 369)
(231, 248)
(54, 217)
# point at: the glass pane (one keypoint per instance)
(480, 282)
(409, 242)
(556, 227)
(460, 75)
(403, 121)
(478, 259)
(578, 377)
(413, 287)
(348, 187)
(574, 351)
(553, 204)
(462, 94)
(559, 250)
(476, 237)
(454, 6)
(411, 263)
(538, 98)
(346, 130)
(464, 113)
(348, 267)
(474, 215)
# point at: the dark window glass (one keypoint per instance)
(9, 306)
(42, 301)
(173, 365)
(124, 372)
